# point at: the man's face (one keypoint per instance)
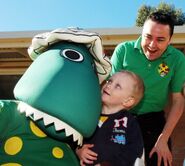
(155, 39)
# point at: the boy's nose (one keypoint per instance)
(106, 87)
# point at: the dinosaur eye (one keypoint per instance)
(72, 55)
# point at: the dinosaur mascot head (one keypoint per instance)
(60, 91)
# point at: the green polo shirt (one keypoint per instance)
(161, 76)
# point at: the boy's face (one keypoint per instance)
(117, 90)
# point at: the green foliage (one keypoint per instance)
(144, 11)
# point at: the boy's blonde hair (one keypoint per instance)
(138, 86)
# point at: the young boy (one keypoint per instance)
(117, 140)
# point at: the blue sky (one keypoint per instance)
(26, 15)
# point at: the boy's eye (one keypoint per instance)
(118, 86)
(109, 81)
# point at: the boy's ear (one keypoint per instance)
(129, 102)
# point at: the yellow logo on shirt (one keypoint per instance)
(163, 69)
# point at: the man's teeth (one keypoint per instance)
(48, 119)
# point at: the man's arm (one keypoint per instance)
(161, 146)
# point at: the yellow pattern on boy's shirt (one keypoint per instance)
(102, 120)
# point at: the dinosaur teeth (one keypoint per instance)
(48, 119)
(68, 130)
(78, 136)
(22, 107)
(59, 126)
(37, 116)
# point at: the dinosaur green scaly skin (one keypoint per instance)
(22, 143)
(57, 100)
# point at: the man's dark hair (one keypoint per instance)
(162, 18)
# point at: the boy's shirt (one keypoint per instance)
(117, 139)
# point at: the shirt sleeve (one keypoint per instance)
(179, 77)
(117, 58)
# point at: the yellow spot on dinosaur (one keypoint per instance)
(36, 130)
(13, 145)
(11, 164)
(58, 152)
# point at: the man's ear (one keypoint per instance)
(129, 102)
(169, 42)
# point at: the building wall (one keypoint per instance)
(178, 142)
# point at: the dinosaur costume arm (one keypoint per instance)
(7, 115)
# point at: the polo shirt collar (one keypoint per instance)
(138, 44)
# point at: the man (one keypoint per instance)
(162, 68)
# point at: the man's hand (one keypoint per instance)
(161, 146)
(163, 152)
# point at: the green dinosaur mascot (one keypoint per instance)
(58, 100)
